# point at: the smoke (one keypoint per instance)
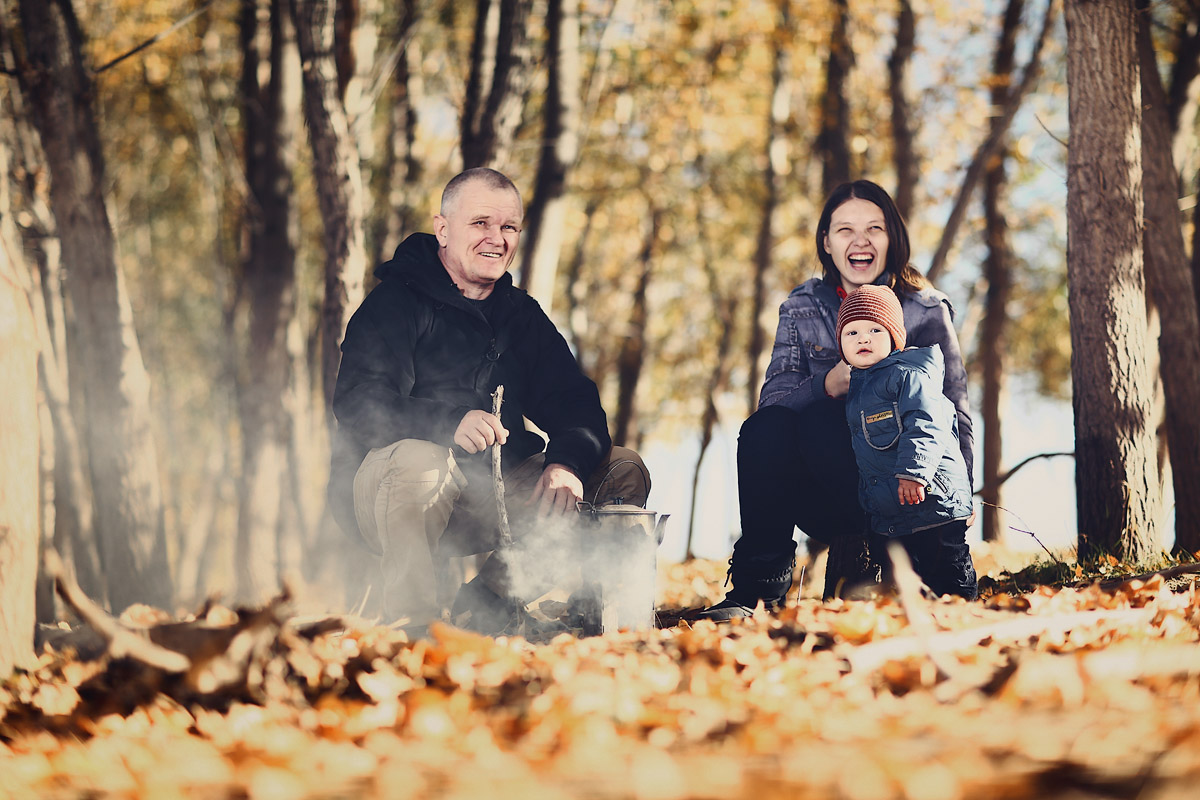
(607, 562)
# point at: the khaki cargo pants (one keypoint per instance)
(419, 506)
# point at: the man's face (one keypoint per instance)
(477, 237)
(865, 343)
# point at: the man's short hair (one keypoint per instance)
(485, 175)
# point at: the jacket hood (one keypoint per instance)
(927, 359)
(416, 263)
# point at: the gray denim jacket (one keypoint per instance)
(806, 349)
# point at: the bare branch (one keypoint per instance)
(122, 642)
(989, 147)
(158, 37)
(1006, 475)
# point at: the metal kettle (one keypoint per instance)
(620, 565)
(619, 516)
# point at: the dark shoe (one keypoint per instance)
(733, 608)
(477, 608)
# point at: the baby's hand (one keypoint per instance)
(911, 492)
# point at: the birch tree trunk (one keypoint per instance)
(66, 500)
(339, 182)
(1169, 278)
(19, 448)
(393, 214)
(1117, 496)
(269, 277)
(499, 75)
(997, 271)
(123, 464)
(562, 115)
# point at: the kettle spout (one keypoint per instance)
(660, 528)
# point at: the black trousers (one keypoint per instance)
(941, 557)
(795, 470)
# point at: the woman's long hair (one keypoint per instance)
(903, 277)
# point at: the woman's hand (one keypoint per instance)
(837, 380)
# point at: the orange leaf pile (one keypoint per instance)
(1083, 692)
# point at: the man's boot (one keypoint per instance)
(760, 582)
(490, 614)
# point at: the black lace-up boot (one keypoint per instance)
(749, 587)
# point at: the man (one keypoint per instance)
(411, 466)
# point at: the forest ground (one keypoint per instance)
(1086, 691)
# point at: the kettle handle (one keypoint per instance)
(608, 474)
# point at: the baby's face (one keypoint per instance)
(865, 343)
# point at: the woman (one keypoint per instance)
(795, 464)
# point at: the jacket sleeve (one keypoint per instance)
(792, 380)
(372, 399)
(922, 440)
(565, 403)
(937, 327)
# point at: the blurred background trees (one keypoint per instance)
(196, 193)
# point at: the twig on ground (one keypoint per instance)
(873, 655)
(1167, 574)
(908, 589)
(122, 642)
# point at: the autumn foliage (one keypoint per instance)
(1091, 690)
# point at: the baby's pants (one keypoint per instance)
(942, 558)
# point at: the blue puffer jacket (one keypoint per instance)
(806, 349)
(902, 425)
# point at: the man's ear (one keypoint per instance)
(439, 228)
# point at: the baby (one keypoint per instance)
(913, 483)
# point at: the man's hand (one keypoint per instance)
(478, 431)
(837, 380)
(911, 492)
(557, 491)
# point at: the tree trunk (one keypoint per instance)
(269, 276)
(633, 345)
(393, 213)
(1117, 496)
(1169, 278)
(997, 271)
(903, 148)
(19, 448)
(562, 115)
(833, 143)
(338, 179)
(123, 468)
(66, 501)
(775, 165)
(725, 315)
(499, 66)
(987, 149)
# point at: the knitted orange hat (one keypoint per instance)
(874, 304)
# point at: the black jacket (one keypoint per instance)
(418, 356)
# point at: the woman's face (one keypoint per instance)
(857, 242)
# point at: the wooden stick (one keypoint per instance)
(908, 591)
(873, 655)
(1167, 574)
(121, 640)
(497, 479)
